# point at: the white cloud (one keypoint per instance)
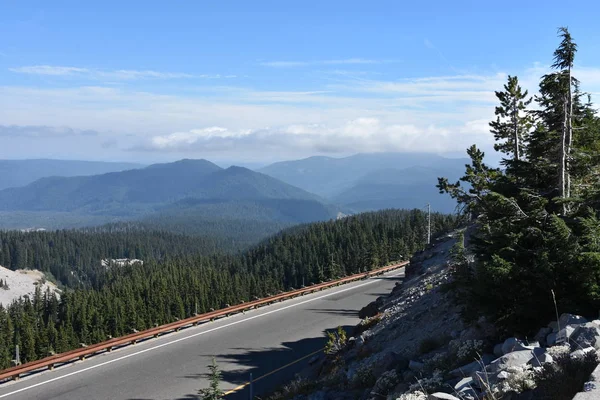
(120, 74)
(347, 61)
(49, 70)
(43, 131)
(365, 134)
(436, 113)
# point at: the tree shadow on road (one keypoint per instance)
(270, 367)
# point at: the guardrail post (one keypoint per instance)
(251, 387)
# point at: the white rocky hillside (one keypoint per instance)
(414, 345)
(20, 283)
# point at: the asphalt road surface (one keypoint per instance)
(173, 366)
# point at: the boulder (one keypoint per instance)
(564, 334)
(368, 311)
(514, 359)
(551, 339)
(554, 326)
(538, 360)
(442, 396)
(466, 370)
(510, 345)
(498, 350)
(586, 335)
(540, 337)
(570, 319)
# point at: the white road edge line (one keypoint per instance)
(371, 280)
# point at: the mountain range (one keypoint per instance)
(201, 197)
(15, 173)
(373, 181)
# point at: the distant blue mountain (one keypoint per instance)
(373, 181)
(186, 189)
(15, 173)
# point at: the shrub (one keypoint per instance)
(294, 388)
(431, 384)
(367, 324)
(337, 341)
(466, 351)
(428, 345)
(418, 395)
(565, 377)
(364, 377)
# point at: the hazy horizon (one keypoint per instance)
(262, 82)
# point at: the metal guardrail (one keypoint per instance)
(109, 345)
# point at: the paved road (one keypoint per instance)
(174, 366)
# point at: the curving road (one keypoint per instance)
(173, 366)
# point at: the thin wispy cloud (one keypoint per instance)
(43, 131)
(360, 134)
(442, 113)
(120, 74)
(347, 61)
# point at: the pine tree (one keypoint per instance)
(513, 122)
(213, 392)
(532, 236)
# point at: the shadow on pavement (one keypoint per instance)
(262, 362)
(336, 311)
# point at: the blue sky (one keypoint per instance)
(268, 80)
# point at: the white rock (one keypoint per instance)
(514, 359)
(463, 383)
(503, 375)
(581, 353)
(442, 396)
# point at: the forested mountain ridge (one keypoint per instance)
(137, 297)
(372, 181)
(73, 257)
(196, 190)
(16, 173)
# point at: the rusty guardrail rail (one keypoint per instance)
(109, 345)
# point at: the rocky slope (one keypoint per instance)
(413, 344)
(16, 284)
